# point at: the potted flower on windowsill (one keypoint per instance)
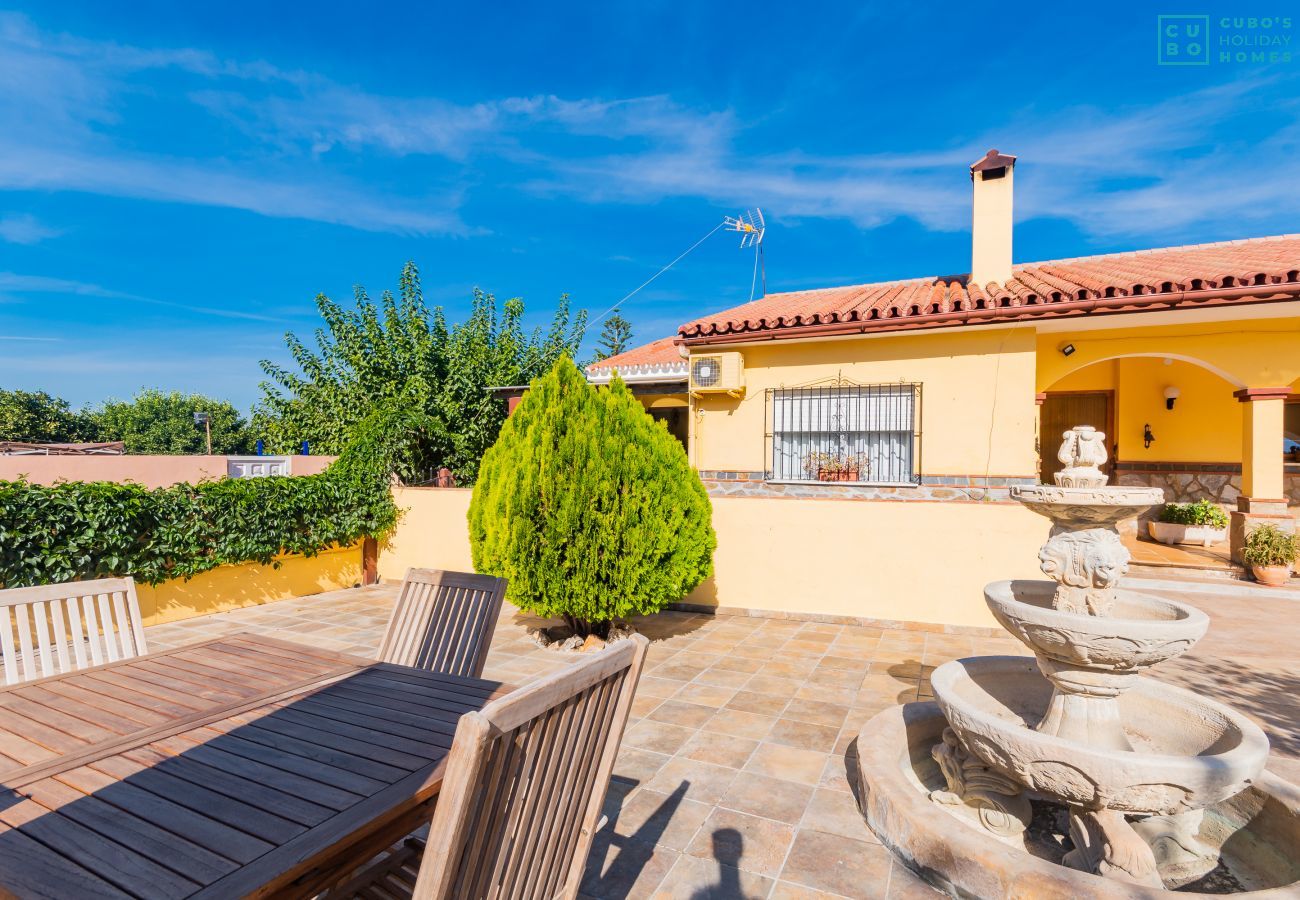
(1202, 523)
(836, 467)
(1270, 552)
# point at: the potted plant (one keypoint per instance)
(1270, 552)
(836, 467)
(1201, 523)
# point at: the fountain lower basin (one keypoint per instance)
(1188, 751)
(1140, 632)
(1254, 833)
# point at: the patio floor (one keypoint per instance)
(735, 774)
(1215, 558)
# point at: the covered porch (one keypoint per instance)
(1200, 406)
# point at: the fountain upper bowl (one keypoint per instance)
(1141, 631)
(1087, 506)
(1189, 751)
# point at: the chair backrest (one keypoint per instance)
(525, 782)
(443, 621)
(75, 625)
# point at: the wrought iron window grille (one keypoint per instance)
(836, 430)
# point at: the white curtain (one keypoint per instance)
(874, 423)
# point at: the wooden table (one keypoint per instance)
(239, 766)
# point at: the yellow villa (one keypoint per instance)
(860, 442)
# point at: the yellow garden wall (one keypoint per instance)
(432, 533)
(977, 404)
(250, 584)
(908, 561)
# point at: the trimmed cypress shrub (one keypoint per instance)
(589, 506)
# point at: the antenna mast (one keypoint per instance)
(751, 227)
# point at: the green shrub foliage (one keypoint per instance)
(589, 506)
(77, 530)
(1202, 512)
(1269, 545)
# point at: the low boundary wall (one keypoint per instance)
(922, 562)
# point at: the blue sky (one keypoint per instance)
(177, 181)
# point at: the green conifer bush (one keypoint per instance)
(589, 506)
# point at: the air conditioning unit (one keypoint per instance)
(718, 373)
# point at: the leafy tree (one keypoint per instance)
(158, 422)
(37, 417)
(372, 352)
(615, 335)
(589, 506)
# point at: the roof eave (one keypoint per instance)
(1244, 295)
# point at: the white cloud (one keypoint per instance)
(17, 285)
(1148, 171)
(59, 113)
(25, 229)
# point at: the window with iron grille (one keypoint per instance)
(840, 431)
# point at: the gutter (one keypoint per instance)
(1258, 293)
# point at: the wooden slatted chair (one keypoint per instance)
(443, 621)
(521, 800)
(75, 625)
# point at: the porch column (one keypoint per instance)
(1263, 498)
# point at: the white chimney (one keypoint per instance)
(992, 180)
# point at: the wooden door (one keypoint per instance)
(1063, 410)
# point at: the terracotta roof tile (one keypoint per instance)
(656, 353)
(1154, 279)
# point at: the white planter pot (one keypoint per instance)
(1196, 535)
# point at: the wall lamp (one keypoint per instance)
(1067, 350)
(1147, 437)
(1171, 394)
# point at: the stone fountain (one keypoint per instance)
(1055, 770)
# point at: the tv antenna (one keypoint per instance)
(751, 226)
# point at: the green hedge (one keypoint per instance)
(77, 530)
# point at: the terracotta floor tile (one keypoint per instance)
(772, 798)
(708, 879)
(700, 781)
(784, 890)
(818, 712)
(719, 749)
(739, 723)
(803, 735)
(840, 865)
(663, 688)
(790, 763)
(629, 872)
(836, 812)
(721, 677)
(712, 695)
(678, 712)
(836, 776)
(743, 841)
(763, 704)
(633, 767)
(657, 737)
(651, 817)
(643, 705)
(770, 684)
